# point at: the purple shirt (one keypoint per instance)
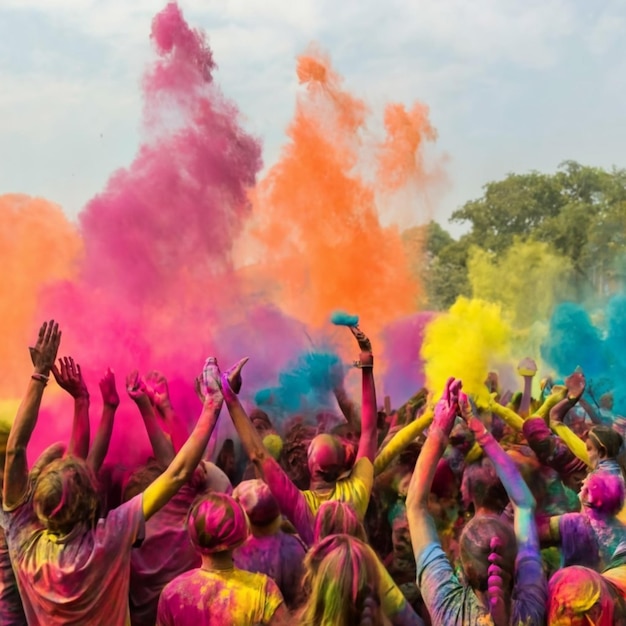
(279, 556)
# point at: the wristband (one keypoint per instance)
(41, 378)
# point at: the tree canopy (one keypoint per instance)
(579, 213)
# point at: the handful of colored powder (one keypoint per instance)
(341, 318)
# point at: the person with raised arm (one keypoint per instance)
(72, 565)
(218, 592)
(502, 565)
(325, 456)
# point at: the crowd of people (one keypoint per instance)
(494, 509)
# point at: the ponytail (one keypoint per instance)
(495, 584)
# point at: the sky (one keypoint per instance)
(511, 85)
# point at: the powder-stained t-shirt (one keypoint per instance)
(216, 598)
(355, 489)
(11, 611)
(78, 579)
(279, 556)
(450, 603)
(588, 541)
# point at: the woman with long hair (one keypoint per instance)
(343, 583)
(505, 583)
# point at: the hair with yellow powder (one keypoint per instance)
(343, 581)
(66, 495)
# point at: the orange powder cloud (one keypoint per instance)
(38, 245)
(316, 214)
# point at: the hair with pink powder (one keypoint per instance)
(217, 523)
(257, 501)
(604, 493)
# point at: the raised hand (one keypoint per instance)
(70, 378)
(527, 367)
(44, 353)
(108, 389)
(447, 408)
(231, 379)
(158, 389)
(136, 386)
(575, 384)
(467, 412)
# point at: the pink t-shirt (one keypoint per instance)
(79, 579)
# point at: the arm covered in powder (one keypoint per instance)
(160, 442)
(531, 586)
(43, 355)
(70, 378)
(290, 500)
(421, 524)
(184, 464)
(401, 440)
(368, 442)
(110, 402)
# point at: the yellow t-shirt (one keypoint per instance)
(355, 489)
(213, 598)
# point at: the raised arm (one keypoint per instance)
(43, 356)
(110, 402)
(70, 378)
(159, 391)
(507, 471)
(368, 442)
(575, 385)
(161, 443)
(181, 469)
(290, 500)
(401, 440)
(421, 524)
(527, 369)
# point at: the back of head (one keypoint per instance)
(140, 478)
(482, 487)
(66, 495)
(335, 517)
(257, 501)
(579, 595)
(343, 580)
(326, 458)
(476, 544)
(217, 523)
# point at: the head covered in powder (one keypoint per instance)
(66, 495)
(335, 517)
(342, 577)
(603, 494)
(579, 596)
(326, 458)
(217, 523)
(257, 501)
